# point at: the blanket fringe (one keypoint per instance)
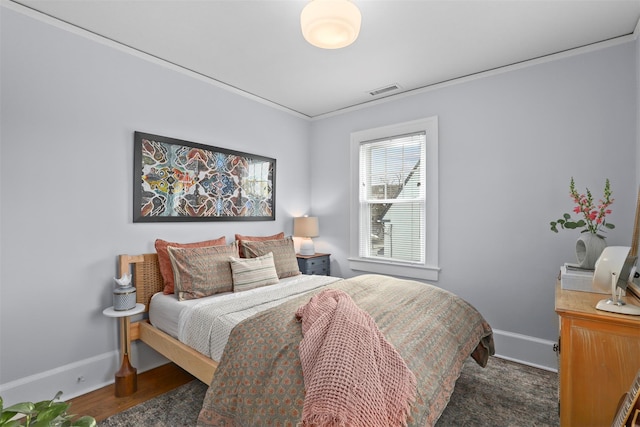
(323, 420)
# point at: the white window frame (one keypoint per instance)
(429, 270)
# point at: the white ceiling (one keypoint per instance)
(257, 46)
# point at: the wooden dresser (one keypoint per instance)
(599, 358)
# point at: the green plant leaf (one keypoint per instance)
(51, 412)
(6, 416)
(610, 226)
(26, 408)
(43, 423)
(85, 421)
(46, 413)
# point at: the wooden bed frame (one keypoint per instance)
(148, 281)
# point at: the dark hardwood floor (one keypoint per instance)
(103, 403)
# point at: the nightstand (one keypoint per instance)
(318, 264)
(127, 376)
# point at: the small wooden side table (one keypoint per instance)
(127, 376)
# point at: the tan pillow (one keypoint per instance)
(165, 263)
(251, 273)
(200, 272)
(240, 238)
(284, 254)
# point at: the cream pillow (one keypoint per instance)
(251, 273)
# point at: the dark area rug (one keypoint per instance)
(504, 394)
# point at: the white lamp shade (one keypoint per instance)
(306, 226)
(330, 24)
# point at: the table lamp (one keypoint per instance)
(306, 227)
(613, 269)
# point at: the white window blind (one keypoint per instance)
(392, 198)
(393, 209)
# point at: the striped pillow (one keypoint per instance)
(200, 272)
(250, 273)
(284, 254)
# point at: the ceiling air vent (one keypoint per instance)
(385, 89)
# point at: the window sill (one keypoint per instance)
(411, 271)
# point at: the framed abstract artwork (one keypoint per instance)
(175, 180)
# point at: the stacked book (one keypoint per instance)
(574, 278)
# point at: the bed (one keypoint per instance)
(434, 331)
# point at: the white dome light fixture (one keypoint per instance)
(330, 24)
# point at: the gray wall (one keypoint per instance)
(70, 106)
(509, 142)
(637, 53)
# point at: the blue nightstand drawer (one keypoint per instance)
(318, 264)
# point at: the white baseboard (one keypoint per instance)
(525, 349)
(84, 376)
(77, 378)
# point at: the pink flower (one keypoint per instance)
(593, 215)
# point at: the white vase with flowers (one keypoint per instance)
(593, 223)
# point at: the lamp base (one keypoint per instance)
(307, 247)
(618, 307)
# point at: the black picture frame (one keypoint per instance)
(177, 180)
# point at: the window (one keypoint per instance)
(394, 223)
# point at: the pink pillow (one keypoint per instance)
(240, 238)
(164, 262)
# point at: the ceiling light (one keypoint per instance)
(330, 24)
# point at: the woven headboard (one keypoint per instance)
(146, 275)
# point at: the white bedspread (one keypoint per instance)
(206, 326)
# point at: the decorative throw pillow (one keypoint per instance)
(251, 273)
(165, 263)
(240, 238)
(284, 254)
(200, 272)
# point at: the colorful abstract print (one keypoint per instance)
(178, 180)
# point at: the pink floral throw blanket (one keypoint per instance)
(352, 375)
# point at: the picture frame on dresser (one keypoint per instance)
(177, 180)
